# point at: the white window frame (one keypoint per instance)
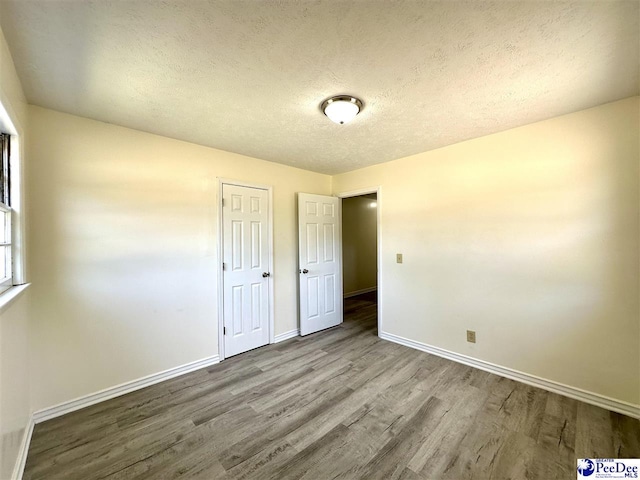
(9, 125)
(6, 282)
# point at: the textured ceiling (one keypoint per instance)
(248, 76)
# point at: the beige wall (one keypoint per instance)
(123, 247)
(14, 317)
(359, 243)
(529, 237)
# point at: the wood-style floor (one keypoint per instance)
(339, 404)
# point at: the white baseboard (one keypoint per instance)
(21, 461)
(549, 385)
(287, 335)
(360, 292)
(122, 389)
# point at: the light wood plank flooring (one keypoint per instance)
(339, 404)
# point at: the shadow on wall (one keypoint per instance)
(127, 265)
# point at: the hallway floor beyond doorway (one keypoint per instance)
(362, 311)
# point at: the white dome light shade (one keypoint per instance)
(341, 109)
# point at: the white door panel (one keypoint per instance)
(319, 259)
(246, 260)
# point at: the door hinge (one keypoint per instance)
(224, 330)
(223, 202)
(224, 266)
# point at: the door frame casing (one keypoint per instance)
(356, 193)
(220, 237)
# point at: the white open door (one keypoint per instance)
(246, 274)
(320, 263)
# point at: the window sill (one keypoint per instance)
(7, 297)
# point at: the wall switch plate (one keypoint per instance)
(471, 336)
(398, 258)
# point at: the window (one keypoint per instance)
(6, 270)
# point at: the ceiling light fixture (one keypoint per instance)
(342, 108)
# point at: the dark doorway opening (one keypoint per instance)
(360, 261)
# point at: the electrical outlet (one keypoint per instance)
(398, 258)
(471, 336)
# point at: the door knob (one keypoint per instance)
(305, 271)
(266, 274)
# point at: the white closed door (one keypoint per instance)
(320, 268)
(246, 274)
